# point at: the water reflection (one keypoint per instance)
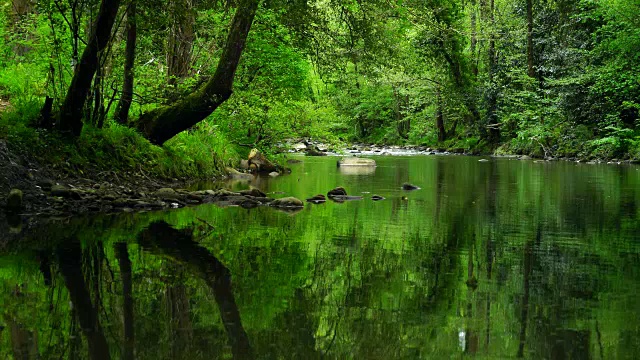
(510, 260)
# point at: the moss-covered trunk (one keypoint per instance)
(166, 122)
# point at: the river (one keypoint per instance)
(494, 259)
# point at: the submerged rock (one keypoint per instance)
(377, 198)
(318, 199)
(253, 192)
(287, 202)
(357, 161)
(343, 198)
(409, 187)
(339, 191)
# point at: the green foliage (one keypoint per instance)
(344, 70)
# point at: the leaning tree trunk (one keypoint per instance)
(166, 122)
(71, 111)
(122, 111)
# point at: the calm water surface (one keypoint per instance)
(498, 259)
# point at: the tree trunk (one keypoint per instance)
(474, 40)
(71, 111)
(166, 122)
(122, 111)
(20, 10)
(180, 42)
(442, 133)
(494, 130)
(530, 68)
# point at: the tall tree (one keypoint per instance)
(530, 68)
(494, 130)
(162, 124)
(71, 111)
(122, 111)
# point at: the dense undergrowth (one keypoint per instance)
(360, 74)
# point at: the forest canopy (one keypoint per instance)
(553, 78)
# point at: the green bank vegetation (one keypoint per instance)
(90, 81)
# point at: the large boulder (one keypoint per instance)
(260, 162)
(357, 161)
(287, 202)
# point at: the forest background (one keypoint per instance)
(100, 84)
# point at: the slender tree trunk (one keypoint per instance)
(530, 66)
(122, 111)
(166, 122)
(180, 42)
(72, 107)
(494, 130)
(474, 40)
(442, 133)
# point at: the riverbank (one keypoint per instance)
(53, 179)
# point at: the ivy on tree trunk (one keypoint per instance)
(162, 124)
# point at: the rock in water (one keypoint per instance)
(253, 192)
(377, 198)
(14, 200)
(356, 161)
(318, 199)
(262, 164)
(409, 187)
(287, 202)
(339, 191)
(274, 174)
(313, 151)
